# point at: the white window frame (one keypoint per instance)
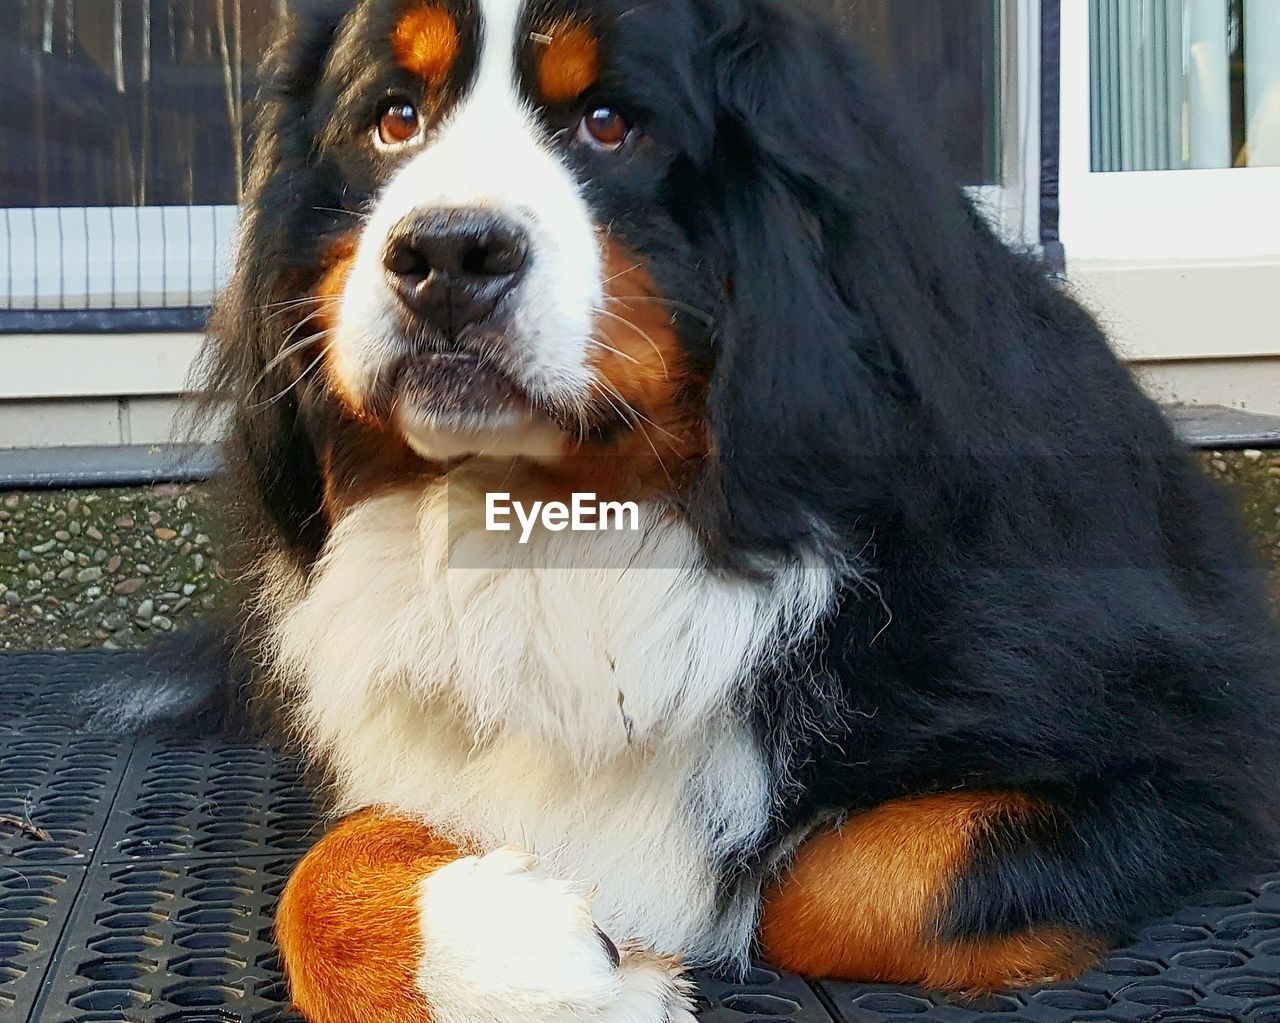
(1013, 205)
(114, 257)
(1179, 215)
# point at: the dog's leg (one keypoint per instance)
(873, 900)
(386, 922)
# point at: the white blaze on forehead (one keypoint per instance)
(492, 153)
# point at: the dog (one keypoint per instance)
(931, 658)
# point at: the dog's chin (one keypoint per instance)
(450, 407)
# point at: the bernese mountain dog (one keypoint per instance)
(931, 657)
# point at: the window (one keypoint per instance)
(944, 57)
(1184, 84)
(125, 124)
(1152, 86)
(122, 147)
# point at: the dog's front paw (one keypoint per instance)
(502, 941)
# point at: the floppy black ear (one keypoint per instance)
(271, 459)
(855, 293)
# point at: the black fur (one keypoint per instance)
(1044, 594)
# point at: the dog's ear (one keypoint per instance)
(271, 458)
(836, 234)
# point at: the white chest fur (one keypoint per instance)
(588, 713)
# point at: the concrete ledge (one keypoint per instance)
(1204, 427)
(127, 466)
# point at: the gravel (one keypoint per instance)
(115, 568)
(106, 568)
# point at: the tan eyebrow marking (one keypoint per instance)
(569, 63)
(425, 42)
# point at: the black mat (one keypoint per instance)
(153, 896)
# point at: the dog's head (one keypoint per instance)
(680, 234)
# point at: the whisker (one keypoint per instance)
(620, 273)
(349, 213)
(259, 406)
(706, 318)
(627, 323)
(635, 413)
(610, 348)
(643, 432)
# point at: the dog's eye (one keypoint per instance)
(399, 122)
(604, 128)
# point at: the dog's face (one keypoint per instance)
(497, 291)
(669, 248)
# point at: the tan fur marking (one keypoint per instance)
(641, 376)
(348, 924)
(860, 902)
(569, 64)
(425, 42)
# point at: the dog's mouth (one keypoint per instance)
(457, 387)
(449, 405)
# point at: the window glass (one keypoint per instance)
(124, 131)
(127, 103)
(943, 56)
(1184, 84)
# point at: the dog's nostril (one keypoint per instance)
(404, 260)
(451, 268)
(495, 256)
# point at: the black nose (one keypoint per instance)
(451, 268)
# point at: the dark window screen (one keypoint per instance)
(126, 102)
(944, 58)
(144, 102)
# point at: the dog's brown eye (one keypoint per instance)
(604, 128)
(400, 122)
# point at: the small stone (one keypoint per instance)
(94, 534)
(12, 598)
(145, 610)
(73, 505)
(93, 592)
(201, 539)
(153, 518)
(165, 533)
(1252, 455)
(144, 569)
(114, 623)
(89, 575)
(186, 549)
(198, 562)
(186, 529)
(181, 605)
(129, 586)
(45, 547)
(24, 556)
(75, 527)
(67, 574)
(12, 501)
(1219, 465)
(162, 623)
(113, 566)
(125, 522)
(62, 536)
(188, 589)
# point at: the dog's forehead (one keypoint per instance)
(553, 46)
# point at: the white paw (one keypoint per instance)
(505, 943)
